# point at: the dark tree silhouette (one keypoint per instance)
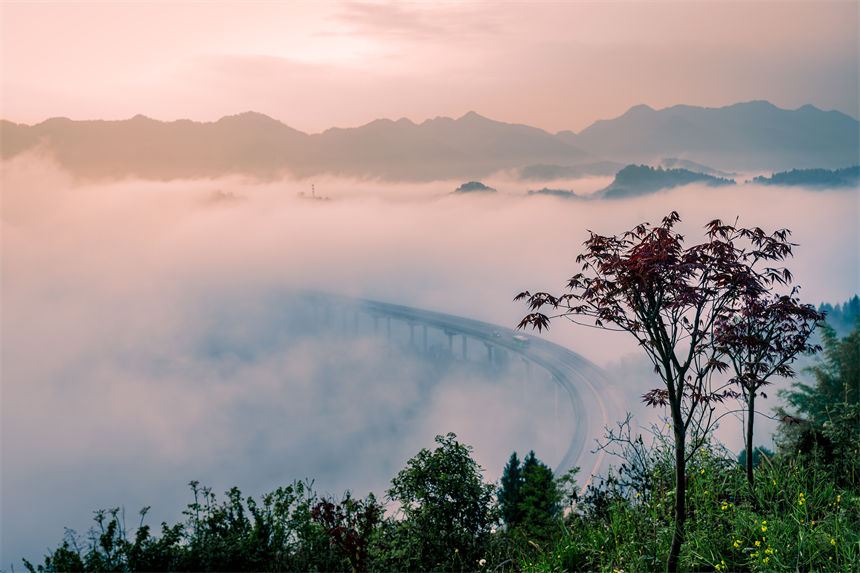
(761, 339)
(509, 494)
(540, 499)
(670, 298)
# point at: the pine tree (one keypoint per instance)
(540, 499)
(509, 494)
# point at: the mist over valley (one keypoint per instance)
(151, 337)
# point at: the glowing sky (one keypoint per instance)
(555, 65)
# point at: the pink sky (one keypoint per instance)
(313, 65)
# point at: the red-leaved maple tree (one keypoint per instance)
(760, 340)
(671, 299)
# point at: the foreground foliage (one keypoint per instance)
(798, 519)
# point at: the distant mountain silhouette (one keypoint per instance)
(636, 180)
(249, 143)
(257, 145)
(753, 135)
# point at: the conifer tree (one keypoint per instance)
(509, 494)
(540, 498)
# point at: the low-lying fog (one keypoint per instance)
(148, 338)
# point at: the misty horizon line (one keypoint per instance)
(471, 114)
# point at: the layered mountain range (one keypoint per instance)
(746, 136)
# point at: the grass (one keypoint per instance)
(794, 519)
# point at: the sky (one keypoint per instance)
(314, 65)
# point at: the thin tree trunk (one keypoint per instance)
(750, 420)
(680, 512)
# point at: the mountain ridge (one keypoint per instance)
(745, 135)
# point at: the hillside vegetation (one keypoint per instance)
(635, 180)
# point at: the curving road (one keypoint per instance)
(586, 385)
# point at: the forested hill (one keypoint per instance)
(635, 180)
(842, 317)
(821, 178)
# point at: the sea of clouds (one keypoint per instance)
(149, 334)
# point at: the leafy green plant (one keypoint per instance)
(446, 507)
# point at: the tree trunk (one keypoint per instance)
(750, 420)
(680, 511)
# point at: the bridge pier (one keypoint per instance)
(526, 378)
(489, 352)
(450, 336)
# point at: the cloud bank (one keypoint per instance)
(149, 337)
